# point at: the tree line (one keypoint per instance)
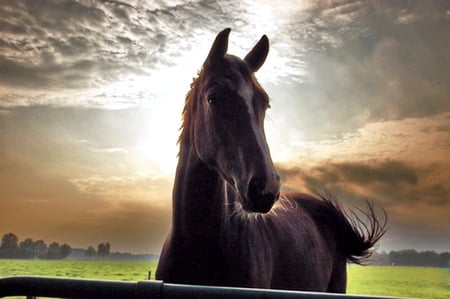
(411, 257)
(103, 249)
(11, 248)
(28, 249)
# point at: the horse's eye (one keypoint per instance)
(212, 99)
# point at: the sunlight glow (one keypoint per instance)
(163, 90)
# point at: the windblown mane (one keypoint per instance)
(356, 237)
(189, 107)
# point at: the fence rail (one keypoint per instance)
(41, 286)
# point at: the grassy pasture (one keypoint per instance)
(96, 269)
(413, 282)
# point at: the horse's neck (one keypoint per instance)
(198, 205)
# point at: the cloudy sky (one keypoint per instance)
(91, 94)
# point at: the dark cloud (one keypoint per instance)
(389, 172)
(61, 35)
(396, 186)
(388, 182)
(12, 28)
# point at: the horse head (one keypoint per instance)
(228, 130)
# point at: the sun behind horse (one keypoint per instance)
(231, 226)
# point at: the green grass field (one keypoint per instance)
(413, 282)
(97, 269)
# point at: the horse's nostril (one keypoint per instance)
(255, 188)
(254, 184)
(259, 201)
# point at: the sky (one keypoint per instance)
(91, 95)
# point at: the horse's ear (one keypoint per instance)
(219, 48)
(256, 57)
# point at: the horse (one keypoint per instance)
(231, 225)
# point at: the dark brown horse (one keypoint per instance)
(231, 226)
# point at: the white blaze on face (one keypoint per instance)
(246, 92)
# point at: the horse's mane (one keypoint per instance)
(189, 107)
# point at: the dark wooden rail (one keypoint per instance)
(32, 286)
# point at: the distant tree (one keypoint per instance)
(90, 252)
(406, 257)
(53, 251)
(40, 249)
(9, 247)
(64, 251)
(103, 249)
(26, 249)
(444, 259)
(427, 258)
